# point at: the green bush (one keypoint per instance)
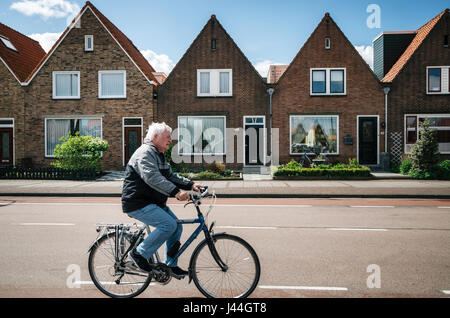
(405, 166)
(216, 167)
(425, 153)
(339, 170)
(207, 175)
(444, 170)
(79, 152)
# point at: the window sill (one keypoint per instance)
(112, 97)
(213, 96)
(71, 97)
(324, 94)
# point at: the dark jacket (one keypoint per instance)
(150, 179)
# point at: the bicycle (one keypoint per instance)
(222, 265)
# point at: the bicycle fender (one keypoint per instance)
(191, 262)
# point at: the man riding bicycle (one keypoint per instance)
(149, 181)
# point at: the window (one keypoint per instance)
(201, 135)
(112, 84)
(55, 128)
(214, 82)
(66, 84)
(213, 44)
(439, 122)
(8, 43)
(446, 40)
(314, 134)
(434, 80)
(438, 80)
(89, 43)
(327, 43)
(328, 81)
(319, 82)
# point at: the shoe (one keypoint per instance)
(177, 272)
(140, 262)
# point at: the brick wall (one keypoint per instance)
(12, 106)
(292, 93)
(70, 56)
(408, 90)
(178, 95)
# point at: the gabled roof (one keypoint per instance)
(213, 20)
(22, 61)
(421, 35)
(326, 17)
(122, 40)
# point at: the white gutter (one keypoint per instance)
(386, 92)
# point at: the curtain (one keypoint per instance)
(320, 132)
(66, 84)
(56, 128)
(318, 78)
(224, 82)
(113, 84)
(202, 135)
(91, 127)
(213, 134)
(337, 81)
(204, 82)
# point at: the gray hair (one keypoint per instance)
(156, 129)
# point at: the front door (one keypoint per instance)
(6, 146)
(133, 137)
(368, 140)
(254, 141)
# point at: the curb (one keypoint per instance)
(242, 196)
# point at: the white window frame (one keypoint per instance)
(124, 73)
(445, 80)
(86, 46)
(55, 74)
(327, 43)
(214, 82)
(314, 116)
(417, 129)
(14, 135)
(204, 153)
(327, 81)
(69, 118)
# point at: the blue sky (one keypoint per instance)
(268, 32)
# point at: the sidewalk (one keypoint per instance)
(383, 186)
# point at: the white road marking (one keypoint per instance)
(305, 288)
(353, 229)
(88, 282)
(447, 292)
(174, 204)
(248, 227)
(48, 224)
(443, 207)
(372, 206)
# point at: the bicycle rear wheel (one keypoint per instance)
(243, 268)
(118, 280)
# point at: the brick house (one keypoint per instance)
(93, 81)
(418, 86)
(214, 87)
(19, 56)
(329, 100)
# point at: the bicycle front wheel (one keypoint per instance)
(115, 279)
(241, 275)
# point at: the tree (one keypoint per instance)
(425, 153)
(79, 152)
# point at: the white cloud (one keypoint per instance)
(47, 8)
(263, 66)
(367, 54)
(160, 62)
(46, 40)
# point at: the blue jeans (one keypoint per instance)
(166, 230)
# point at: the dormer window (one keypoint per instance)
(8, 43)
(327, 43)
(89, 43)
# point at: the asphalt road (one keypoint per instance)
(307, 247)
